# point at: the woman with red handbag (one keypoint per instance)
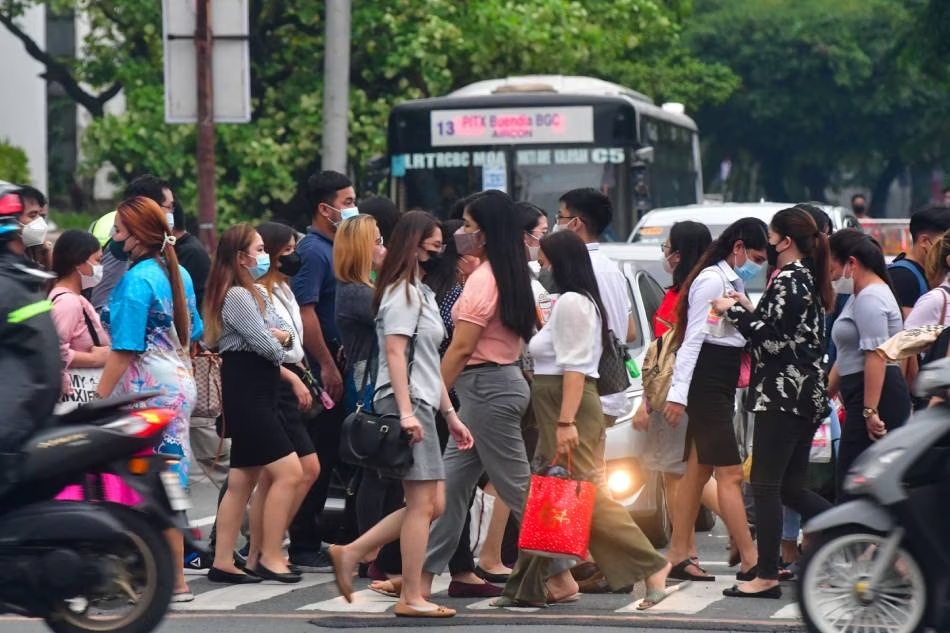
(566, 353)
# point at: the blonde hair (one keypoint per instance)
(353, 250)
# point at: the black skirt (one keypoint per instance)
(893, 407)
(291, 417)
(249, 394)
(711, 406)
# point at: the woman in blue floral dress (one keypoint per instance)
(152, 318)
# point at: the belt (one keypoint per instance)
(485, 365)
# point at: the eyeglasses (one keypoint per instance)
(666, 247)
(566, 217)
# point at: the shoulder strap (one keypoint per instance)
(943, 310)
(412, 349)
(903, 263)
(89, 324)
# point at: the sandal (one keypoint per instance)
(409, 611)
(656, 596)
(678, 572)
(391, 587)
(574, 597)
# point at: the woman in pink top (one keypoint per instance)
(493, 318)
(84, 343)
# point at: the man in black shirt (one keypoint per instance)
(927, 227)
(191, 254)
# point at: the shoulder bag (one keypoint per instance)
(612, 372)
(374, 440)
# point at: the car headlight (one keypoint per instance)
(864, 474)
(620, 482)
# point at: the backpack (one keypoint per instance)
(657, 371)
(906, 265)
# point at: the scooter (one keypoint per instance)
(90, 565)
(881, 562)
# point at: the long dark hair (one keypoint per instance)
(572, 270)
(402, 256)
(689, 239)
(494, 212)
(445, 275)
(146, 222)
(530, 215)
(847, 243)
(797, 224)
(226, 273)
(752, 232)
(73, 248)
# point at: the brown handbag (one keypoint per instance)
(207, 368)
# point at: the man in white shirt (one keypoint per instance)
(588, 212)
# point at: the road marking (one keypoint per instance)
(231, 597)
(788, 612)
(688, 601)
(203, 521)
(368, 601)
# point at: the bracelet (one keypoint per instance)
(406, 417)
(446, 413)
(563, 423)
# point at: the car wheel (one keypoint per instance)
(657, 526)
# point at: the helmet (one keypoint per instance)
(11, 206)
(102, 228)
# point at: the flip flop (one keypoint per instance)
(343, 584)
(406, 611)
(678, 572)
(391, 587)
(656, 596)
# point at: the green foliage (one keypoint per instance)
(14, 166)
(825, 89)
(401, 49)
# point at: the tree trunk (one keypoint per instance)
(882, 186)
(773, 178)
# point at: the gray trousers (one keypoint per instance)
(492, 402)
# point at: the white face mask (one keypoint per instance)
(843, 285)
(557, 228)
(34, 233)
(91, 281)
(170, 217)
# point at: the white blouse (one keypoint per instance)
(571, 340)
(286, 306)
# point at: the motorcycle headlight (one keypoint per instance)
(865, 474)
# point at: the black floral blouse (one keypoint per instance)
(786, 335)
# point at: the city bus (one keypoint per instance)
(537, 137)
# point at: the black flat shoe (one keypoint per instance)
(266, 574)
(227, 578)
(746, 576)
(772, 592)
(484, 575)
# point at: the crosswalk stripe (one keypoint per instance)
(233, 596)
(688, 601)
(368, 601)
(788, 612)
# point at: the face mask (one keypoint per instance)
(533, 252)
(289, 264)
(748, 270)
(335, 224)
(668, 268)
(771, 254)
(262, 266)
(558, 227)
(91, 281)
(466, 243)
(170, 217)
(350, 212)
(34, 233)
(117, 250)
(431, 264)
(858, 209)
(843, 285)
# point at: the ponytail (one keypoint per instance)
(180, 311)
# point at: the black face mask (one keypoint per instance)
(115, 248)
(289, 264)
(858, 209)
(431, 264)
(771, 254)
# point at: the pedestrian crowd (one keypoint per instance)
(483, 334)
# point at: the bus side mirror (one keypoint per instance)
(644, 154)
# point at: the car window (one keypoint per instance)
(652, 294)
(638, 341)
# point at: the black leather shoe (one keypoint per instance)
(746, 576)
(772, 592)
(266, 574)
(224, 577)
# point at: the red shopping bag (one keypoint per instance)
(557, 516)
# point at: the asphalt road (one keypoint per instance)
(314, 604)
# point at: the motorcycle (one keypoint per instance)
(881, 562)
(91, 565)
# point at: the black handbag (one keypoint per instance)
(613, 375)
(375, 440)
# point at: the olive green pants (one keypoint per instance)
(617, 545)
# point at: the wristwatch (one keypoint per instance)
(869, 411)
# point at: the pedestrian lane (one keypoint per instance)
(317, 595)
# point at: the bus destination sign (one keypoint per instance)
(502, 126)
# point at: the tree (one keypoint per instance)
(825, 92)
(402, 49)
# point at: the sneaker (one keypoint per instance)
(194, 560)
(312, 561)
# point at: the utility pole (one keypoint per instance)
(336, 85)
(207, 194)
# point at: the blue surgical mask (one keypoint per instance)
(263, 265)
(748, 270)
(349, 212)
